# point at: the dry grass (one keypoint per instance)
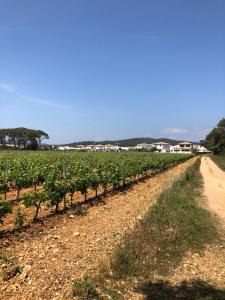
(172, 226)
(219, 160)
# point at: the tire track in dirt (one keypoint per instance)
(214, 186)
(209, 265)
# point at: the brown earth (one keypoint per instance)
(208, 266)
(73, 246)
(44, 213)
(214, 186)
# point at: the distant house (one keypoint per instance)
(99, 147)
(186, 146)
(111, 148)
(7, 145)
(202, 150)
(144, 146)
(90, 147)
(175, 149)
(162, 146)
(81, 147)
(66, 148)
(126, 149)
(183, 147)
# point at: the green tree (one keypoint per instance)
(23, 137)
(215, 140)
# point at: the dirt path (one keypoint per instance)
(214, 186)
(208, 266)
(77, 244)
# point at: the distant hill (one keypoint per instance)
(126, 142)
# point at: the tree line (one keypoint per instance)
(215, 140)
(22, 138)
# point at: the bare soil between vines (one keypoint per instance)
(69, 246)
(47, 212)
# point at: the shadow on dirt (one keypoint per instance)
(192, 290)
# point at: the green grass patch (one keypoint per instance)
(79, 210)
(85, 289)
(172, 226)
(95, 287)
(219, 160)
(9, 268)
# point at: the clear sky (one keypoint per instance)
(111, 69)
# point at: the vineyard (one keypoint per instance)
(53, 180)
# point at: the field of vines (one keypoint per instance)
(54, 179)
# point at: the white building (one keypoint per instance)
(183, 147)
(66, 148)
(90, 147)
(202, 150)
(123, 149)
(99, 147)
(112, 148)
(162, 147)
(143, 146)
(7, 145)
(186, 146)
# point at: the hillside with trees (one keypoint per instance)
(126, 142)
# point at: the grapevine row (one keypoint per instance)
(54, 175)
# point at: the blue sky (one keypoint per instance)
(111, 69)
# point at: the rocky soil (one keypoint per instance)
(46, 262)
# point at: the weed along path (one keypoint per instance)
(51, 260)
(208, 266)
(214, 186)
